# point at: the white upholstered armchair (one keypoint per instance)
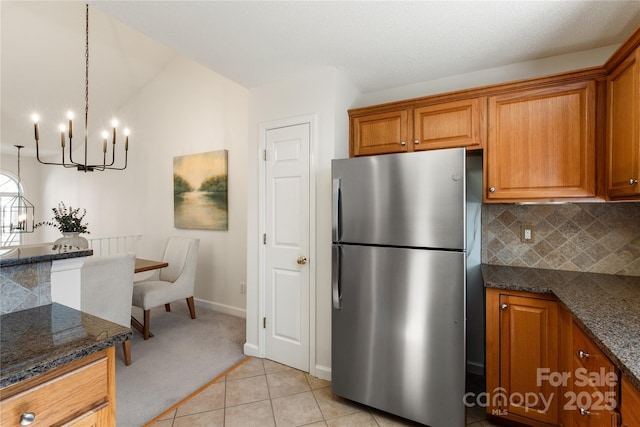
(174, 282)
(106, 289)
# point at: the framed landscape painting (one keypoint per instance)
(200, 191)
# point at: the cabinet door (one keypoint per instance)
(630, 404)
(541, 144)
(381, 133)
(448, 125)
(528, 342)
(623, 133)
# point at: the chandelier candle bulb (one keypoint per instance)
(35, 126)
(61, 127)
(70, 117)
(104, 141)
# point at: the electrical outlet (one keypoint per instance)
(527, 234)
(243, 288)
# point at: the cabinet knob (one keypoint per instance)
(492, 189)
(504, 307)
(632, 181)
(416, 141)
(27, 418)
(582, 354)
(584, 412)
(403, 142)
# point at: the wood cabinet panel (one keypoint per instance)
(629, 404)
(541, 143)
(623, 132)
(380, 133)
(451, 124)
(522, 336)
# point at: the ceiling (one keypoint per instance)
(376, 45)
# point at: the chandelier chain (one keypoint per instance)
(86, 76)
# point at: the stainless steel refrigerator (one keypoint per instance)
(398, 284)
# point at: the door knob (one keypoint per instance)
(302, 260)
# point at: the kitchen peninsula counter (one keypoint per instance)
(47, 252)
(606, 306)
(40, 339)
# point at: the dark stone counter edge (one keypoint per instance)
(61, 360)
(10, 262)
(633, 378)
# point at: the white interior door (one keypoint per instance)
(287, 245)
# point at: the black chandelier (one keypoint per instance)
(84, 165)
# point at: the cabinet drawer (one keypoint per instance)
(593, 408)
(591, 363)
(60, 399)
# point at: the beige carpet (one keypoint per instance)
(183, 355)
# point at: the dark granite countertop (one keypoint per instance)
(605, 306)
(39, 339)
(49, 252)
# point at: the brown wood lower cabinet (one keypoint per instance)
(79, 394)
(629, 404)
(522, 345)
(542, 369)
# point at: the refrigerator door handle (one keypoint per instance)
(336, 285)
(337, 183)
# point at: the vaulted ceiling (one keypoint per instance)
(376, 45)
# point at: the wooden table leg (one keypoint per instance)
(138, 326)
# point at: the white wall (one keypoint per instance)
(519, 71)
(186, 109)
(327, 95)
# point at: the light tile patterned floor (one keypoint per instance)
(264, 393)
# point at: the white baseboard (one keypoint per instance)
(323, 372)
(222, 308)
(251, 350)
(475, 368)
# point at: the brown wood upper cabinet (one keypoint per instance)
(541, 143)
(380, 133)
(424, 127)
(623, 132)
(449, 125)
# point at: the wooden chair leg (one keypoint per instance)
(147, 317)
(126, 350)
(167, 307)
(192, 307)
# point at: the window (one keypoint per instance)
(9, 187)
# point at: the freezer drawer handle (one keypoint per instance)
(336, 286)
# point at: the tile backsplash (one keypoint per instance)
(25, 286)
(593, 237)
